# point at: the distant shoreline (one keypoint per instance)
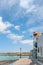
(16, 53)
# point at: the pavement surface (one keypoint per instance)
(25, 61)
(7, 62)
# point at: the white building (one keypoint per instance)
(40, 47)
(38, 44)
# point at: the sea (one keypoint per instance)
(11, 58)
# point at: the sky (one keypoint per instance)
(18, 20)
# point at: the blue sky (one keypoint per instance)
(18, 20)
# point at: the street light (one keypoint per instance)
(20, 52)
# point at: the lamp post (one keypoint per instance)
(20, 52)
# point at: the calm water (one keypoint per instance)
(11, 58)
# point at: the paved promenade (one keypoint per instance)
(7, 62)
(25, 61)
(22, 61)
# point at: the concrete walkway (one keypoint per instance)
(7, 62)
(25, 61)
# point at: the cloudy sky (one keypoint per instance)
(18, 20)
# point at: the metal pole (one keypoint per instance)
(20, 52)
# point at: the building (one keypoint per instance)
(38, 46)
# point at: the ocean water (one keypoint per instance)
(11, 58)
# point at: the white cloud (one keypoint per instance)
(26, 3)
(17, 27)
(4, 26)
(36, 29)
(39, 12)
(7, 4)
(31, 21)
(23, 32)
(38, 8)
(27, 41)
(4, 29)
(15, 38)
(7, 32)
(29, 6)
(11, 2)
(34, 6)
(31, 9)
(38, 2)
